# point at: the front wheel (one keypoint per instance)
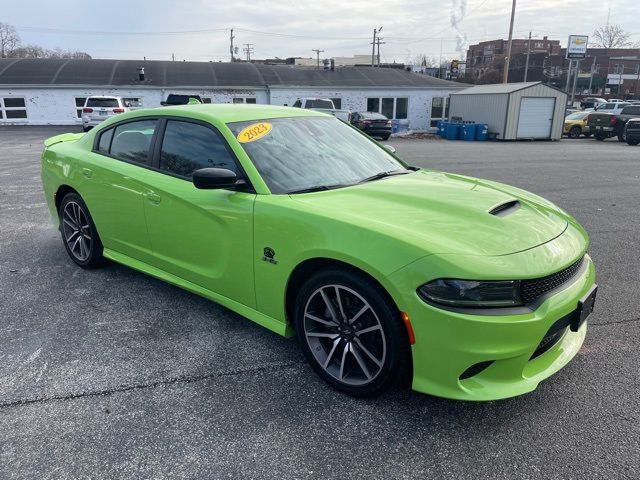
(385, 137)
(575, 132)
(79, 234)
(351, 334)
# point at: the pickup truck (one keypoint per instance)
(603, 125)
(323, 105)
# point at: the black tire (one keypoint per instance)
(389, 342)
(633, 143)
(575, 132)
(86, 251)
(587, 135)
(600, 137)
(385, 137)
(86, 129)
(622, 137)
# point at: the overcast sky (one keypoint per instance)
(131, 29)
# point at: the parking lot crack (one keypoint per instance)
(147, 385)
(616, 322)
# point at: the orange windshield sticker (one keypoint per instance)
(254, 132)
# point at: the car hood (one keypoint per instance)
(444, 213)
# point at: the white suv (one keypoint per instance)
(97, 109)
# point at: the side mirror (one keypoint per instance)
(390, 148)
(211, 178)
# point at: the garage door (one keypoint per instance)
(536, 117)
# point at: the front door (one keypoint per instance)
(203, 236)
(113, 186)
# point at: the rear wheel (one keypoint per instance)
(575, 132)
(599, 136)
(587, 135)
(79, 234)
(352, 336)
(386, 137)
(633, 142)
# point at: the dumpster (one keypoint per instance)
(452, 131)
(482, 132)
(469, 132)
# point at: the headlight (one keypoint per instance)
(471, 293)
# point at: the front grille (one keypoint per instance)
(534, 289)
(633, 126)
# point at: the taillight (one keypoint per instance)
(118, 110)
(613, 120)
(87, 110)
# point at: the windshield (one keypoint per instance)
(308, 152)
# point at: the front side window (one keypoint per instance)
(132, 141)
(314, 152)
(187, 147)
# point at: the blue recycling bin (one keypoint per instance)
(469, 132)
(482, 132)
(441, 126)
(452, 131)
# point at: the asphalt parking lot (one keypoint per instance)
(113, 374)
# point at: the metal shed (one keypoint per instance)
(513, 111)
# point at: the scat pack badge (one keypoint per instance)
(268, 255)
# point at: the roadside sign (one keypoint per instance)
(577, 47)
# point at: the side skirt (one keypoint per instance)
(260, 318)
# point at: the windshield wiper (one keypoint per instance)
(318, 188)
(380, 175)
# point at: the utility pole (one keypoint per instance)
(378, 42)
(593, 70)
(173, 57)
(248, 50)
(575, 81)
(373, 48)
(317, 57)
(231, 37)
(637, 79)
(440, 64)
(526, 65)
(507, 59)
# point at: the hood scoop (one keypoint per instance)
(505, 209)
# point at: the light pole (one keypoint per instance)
(507, 59)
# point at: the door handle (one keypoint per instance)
(87, 172)
(154, 198)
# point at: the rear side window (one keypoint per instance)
(297, 104)
(105, 141)
(132, 140)
(189, 146)
(102, 102)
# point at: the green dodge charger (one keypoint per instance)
(466, 288)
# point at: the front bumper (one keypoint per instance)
(448, 343)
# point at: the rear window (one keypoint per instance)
(319, 103)
(102, 102)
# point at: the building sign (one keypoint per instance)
(577, 47)
(454, 69)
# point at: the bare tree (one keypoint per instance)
(36, 51)
(612, 36)
(9, 39)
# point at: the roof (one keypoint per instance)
(230, 112)
(498, 88)
(63, 72)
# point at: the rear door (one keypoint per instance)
(536, 117)
(114, 183)
(203, 236)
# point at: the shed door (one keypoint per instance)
(536, 117)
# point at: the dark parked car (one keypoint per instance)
(632, 131)
(604, 125)
(177, 99)
(372, 123)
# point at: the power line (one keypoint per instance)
(248, 50)
(317, 57)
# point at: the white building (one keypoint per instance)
(52, 91)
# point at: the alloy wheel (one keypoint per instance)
(76, 231)
(344, 335)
